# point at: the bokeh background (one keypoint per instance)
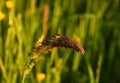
(95, 24)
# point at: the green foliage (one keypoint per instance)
(93, 23)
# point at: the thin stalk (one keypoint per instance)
(91, 74)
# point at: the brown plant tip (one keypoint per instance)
(58, 40)
(62, 41)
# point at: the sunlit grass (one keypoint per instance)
(94, 24)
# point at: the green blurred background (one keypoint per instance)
(95, 24)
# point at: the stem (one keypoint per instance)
(90, 70)
(23, 78)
